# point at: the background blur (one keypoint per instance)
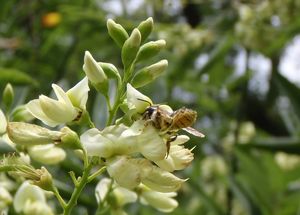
(235, 62)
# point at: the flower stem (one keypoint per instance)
(83, 181)
(59, 198)
(94, 175)
(119, 96)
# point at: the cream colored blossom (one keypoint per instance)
(161, 201)
(47, 154)
(130, 172)
(179, 157)
(69, 105)
(122, 195)
(5, 198)
(31, 199)
(123, 140)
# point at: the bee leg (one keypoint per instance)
(168, 144)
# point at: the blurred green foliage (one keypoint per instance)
(238, 168)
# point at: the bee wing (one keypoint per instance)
(193, 132)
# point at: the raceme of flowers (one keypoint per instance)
(139, 158)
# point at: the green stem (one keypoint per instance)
(95, 174)
(59, 198)
(83, 181)
(119, 96)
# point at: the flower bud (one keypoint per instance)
(131, 48)
(46, 181)
(95, 73)
(8, 96)
(116, 32)
(150, 73)
(92, 70)
(150, 49)
(47, 154)
(145, 28)
(3, 123)
(21, 114)
(30, 134)
(110, 70)
(69, 139)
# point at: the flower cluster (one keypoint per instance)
(139, 158)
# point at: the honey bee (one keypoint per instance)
(171, 122)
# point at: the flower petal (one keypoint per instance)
(79, 93)
(136, 100)
(151, 145)
(47, 154)
(179, 158)
(35, 109)
(96, 144)
(161, 180)
(126, 171)
(61, 95)
(161, 201)
(27, 192)
(57, 111)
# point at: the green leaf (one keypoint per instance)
(15, 77)
(290, 90)
(288, 145)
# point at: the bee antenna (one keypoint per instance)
(145, 101)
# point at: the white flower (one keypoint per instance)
(47, 154)
(122, 195)
(123, 140)
(161, 201)
(5, 198)
(179, 157)
(69, 105)
(30, 199)
(3, 122)
(137, 100)
(130, 172)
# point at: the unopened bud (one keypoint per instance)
(92, 70)
(70, 139)
(110, 70)
(30, 134)
(95, 73)
(150, 49)
(145, 28)
(45, 182)
(150, 73)
(131, 48)
(8, 96)
(21, 114)
(117, 32)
